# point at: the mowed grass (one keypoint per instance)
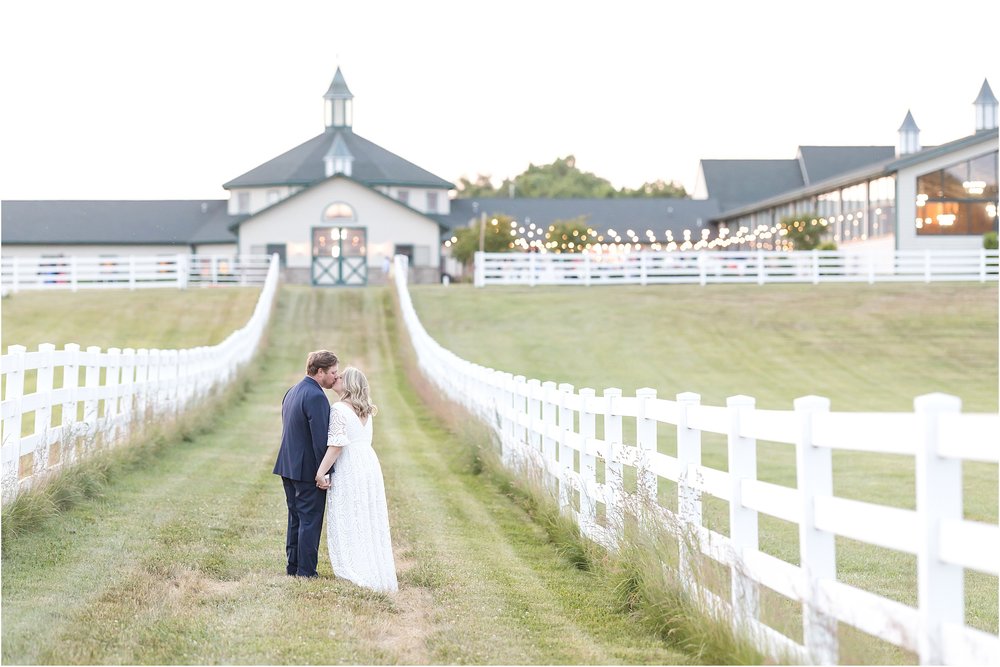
(182, 560)
(865, 347)
(143, 318)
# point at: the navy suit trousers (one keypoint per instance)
(306, 503)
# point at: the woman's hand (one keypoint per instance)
(323, 481)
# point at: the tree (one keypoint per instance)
(561, 179)
(803, 232)
(496, 239)
(569, 235)
(658, 188)
(481, 187)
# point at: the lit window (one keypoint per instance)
(338, 210)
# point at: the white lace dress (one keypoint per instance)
(357, 520)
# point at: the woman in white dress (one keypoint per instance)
(357, 520)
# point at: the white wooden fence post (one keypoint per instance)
(479, 269)
(815, 266)
(566, 426)
(507, 407)
(112, 387)
(982, 265)
(817, 550)
(871, 268)
(534, 414)
(586, 269)
(940, 585)
(760, 267)
(43, 413)
(646, 481)
(73, 274)
(743, 525)
(71, 379)
(588, 463)
(131, 272)
(92, 384)
(689, 509)
(15, 283)
(11, 444)
(517, 450)
(142, 383)
(927, 266)
(128, 390)
(614, 480)
(642, 268)
(702, 269)
(157, 382)
(549, 400)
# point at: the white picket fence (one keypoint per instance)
(810, 266)
(545, 423)
(131, 271)
(121, 390)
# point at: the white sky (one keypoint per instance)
(169, 100)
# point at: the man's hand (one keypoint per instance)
(323, 481)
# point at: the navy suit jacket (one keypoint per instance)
(305, 422)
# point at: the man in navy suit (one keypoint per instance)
(305, 422)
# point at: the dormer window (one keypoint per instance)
(403, 196)
(432, 202)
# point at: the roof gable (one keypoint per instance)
(822, 162)
(304, 165)
(736, 182)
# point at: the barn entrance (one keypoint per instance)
(340, 256)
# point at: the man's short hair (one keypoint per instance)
(320, 360)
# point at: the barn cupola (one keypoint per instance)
(339, 159)
(986, 109)
(909, 136)
(338, 103)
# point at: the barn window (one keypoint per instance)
(338, 211)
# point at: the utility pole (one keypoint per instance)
(482, 231)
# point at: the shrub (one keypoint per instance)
(990, 241)
(803, 232)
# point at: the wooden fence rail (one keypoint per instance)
(103, 397)
(131, 271)
(543, 426)
(651, 268)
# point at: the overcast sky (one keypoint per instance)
(169, 100)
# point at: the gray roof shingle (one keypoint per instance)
(92, 222)
(822, 162)
(373, 165)
(736, 182)
(656, 214)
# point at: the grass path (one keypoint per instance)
(181, 562)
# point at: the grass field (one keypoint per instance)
(149, 318)
(182, 559)
(867, 348)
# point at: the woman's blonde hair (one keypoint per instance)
(356, 392)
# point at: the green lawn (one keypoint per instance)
(866, 347)
(182, 560)
(143, 318)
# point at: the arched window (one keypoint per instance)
(338, 211)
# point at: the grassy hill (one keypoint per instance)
(150, 318)
(866, 347)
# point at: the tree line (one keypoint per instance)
(562, 179)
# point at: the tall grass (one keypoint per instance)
(642, 571)
(88, 478)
